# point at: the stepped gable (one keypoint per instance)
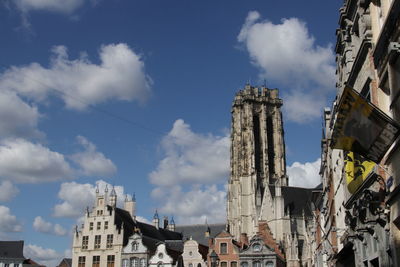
(11, 249)
(296, 199)
(198, 232)
(266, 235)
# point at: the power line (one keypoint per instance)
(93, 107)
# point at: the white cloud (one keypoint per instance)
(7, 191)
(77, 197)
(45, 256)
(194, 206)
(26, 162)
(80, 83)
(304, 175)
(191, 157)
(8, 222)
(287, 53)
(199, 161)
(40, 225)
(17, 118)
(58, 6)
(91, 161)
(142, 219)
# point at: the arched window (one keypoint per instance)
(160, 264)
(143, 262)
(190, 264)
(269, 264)
(244, 264)
(135, 246)
(125, 263)
(256, 264)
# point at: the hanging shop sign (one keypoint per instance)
(362, 128)
(357, 169)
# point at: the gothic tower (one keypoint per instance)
(257, 156)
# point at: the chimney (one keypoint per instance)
(244, 239)
(130, 205)
(171, 225)
(165, 222)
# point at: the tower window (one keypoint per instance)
(271, 149)
(98, 225)
(258, 157)
(105, 225)
(91, 226)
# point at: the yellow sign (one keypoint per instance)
(362, 128)
(357, 170)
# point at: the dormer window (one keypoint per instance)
(135, 246)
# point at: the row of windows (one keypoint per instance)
(96, 261)
(225, 264)
(10, 264)
(257, 264)
(97, 241)
(134, 262)
(98, 225)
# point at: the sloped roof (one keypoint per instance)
(123, 218)
(11, 249)
(66, 261)
(159, 234)
(198, 231)
(296, 199)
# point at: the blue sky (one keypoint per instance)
(137, 94)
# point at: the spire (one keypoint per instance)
(113, 192)
(156, 215)
(113, 198)
(156, 220)
(134, 197)
(97, 188)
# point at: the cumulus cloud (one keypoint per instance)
(187, 175)
(191, 157)
(45, 256)
(40, 225)
(287, 53)
(79, 82)
(304, 175)
(193, 206)
(24, 162)
(8, 222)
(75, 197)
(91, 161)
(17, 118)
(7, 191)
(59, 6)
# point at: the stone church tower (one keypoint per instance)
(257, 157)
